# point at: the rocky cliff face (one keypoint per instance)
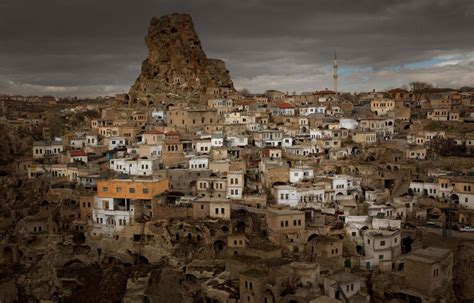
(177, 64)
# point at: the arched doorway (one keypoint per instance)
(313, 237)
(455, 198)
(219, 246)
(225, 229)
(407, 244)
(240, 227)
(268, 297)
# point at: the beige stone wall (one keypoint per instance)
(200, 210)
(171, 212)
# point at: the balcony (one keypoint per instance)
(108, 212)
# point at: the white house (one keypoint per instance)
(92, 140)
(203, 146)
(348, 123)
(311, 196)
(235, 184)
(286, 195)
(341, 184)
(111, 214)
(77, 142)
(158, 114)
(42, 149)
(198, 162)
(287, 142)
(381, 246)
(134, 167)
(300, 173)
(312, 109)
(237, 141)
(115, 142)
(345, 287)
(217, 139)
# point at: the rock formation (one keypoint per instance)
(177, 65)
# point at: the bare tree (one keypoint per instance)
(447, 147)
(419, 85)
(245, 92)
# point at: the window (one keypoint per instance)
(105, 189)
(222, 210)
(118, 189)
(131, 190)
(354, 233)
(368, 241)
(382, 243)
(145, 190)
(217, 211)
(380, 257)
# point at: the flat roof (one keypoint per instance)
(344, 277)
(282, 212)
(429, 255)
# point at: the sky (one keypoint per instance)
(95, 48)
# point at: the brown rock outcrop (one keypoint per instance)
(177, 65)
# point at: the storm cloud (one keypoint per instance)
(89, 48)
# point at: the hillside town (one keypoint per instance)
(185, 189)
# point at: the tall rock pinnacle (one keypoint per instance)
(177, 65)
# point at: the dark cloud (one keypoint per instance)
(88, 47)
